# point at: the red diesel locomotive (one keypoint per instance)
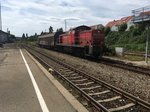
(81, 41)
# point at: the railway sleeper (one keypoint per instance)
(62, 69)
(99, 93)
(109, 99)
(71, 72)
(67, 71)
(85, 84)
(91, 88)
(71, 75)
(73, 78)
(79, 80)
(67, 74)
(121, 107)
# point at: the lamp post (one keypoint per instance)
(65, 24)
(69, 19)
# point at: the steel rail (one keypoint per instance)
(89, 98)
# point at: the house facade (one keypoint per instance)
(4, 37)
(114, 25)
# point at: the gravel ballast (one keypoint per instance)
(134, 83)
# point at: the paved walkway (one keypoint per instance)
(25, 88)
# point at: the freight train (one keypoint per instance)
(81, 41)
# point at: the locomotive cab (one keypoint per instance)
(97, 42)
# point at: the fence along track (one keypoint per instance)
(103, 96)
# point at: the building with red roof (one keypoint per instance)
(139, 16)
(114, 25)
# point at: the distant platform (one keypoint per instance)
(136, 63)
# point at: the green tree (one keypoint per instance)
(50, 29)
(35, 35)
(131, 28)
(23, 36)
(42, 33)
(102, 28)
(26, 35)
(60, 30)
(136, 32)
(123, 27)
(107, 30)
(141, 27)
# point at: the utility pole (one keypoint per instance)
(65, 24)
(147, 42)
(0, 17)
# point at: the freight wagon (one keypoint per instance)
(46, 40)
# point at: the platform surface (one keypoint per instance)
(136, 63)
(17, 93)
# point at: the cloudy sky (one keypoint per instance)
(30, 16)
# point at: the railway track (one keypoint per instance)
(120, 64)
(101, 95)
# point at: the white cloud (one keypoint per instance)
(30, 16)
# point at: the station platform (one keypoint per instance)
(25, 87)
(136, 63)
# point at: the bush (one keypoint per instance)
(102, 28)
(141, 27)
(136, 32)
(123, 27)
(131, 28)
(109, 51)
(131, 40)
(112, 38)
